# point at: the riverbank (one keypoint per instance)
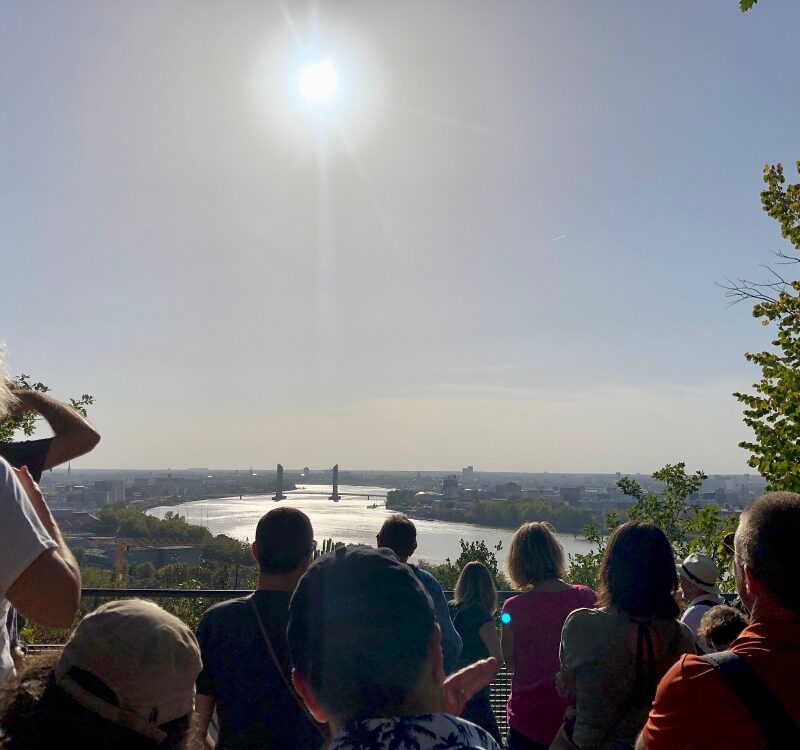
(509, 513)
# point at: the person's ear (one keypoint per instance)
(378, 541)
(754, 586)
(304, 691)
(254, 551)
(435, 658)
(414, 549)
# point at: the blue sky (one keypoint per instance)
(504, 252)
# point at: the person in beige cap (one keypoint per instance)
(124, 681)
(697, 576)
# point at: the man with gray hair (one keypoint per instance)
(38, 574)
(748, 696)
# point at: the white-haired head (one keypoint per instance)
(6, 399)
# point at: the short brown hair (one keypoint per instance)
(284, 539)
(721, 625)
(535, 555)
(767, 543)
(476, 587)
(637, 574)
(399, 534)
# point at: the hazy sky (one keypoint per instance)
(498, 245)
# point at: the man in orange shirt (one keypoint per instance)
(694, 708)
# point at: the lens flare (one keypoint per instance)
(318, 82)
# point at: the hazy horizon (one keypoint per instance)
(497, 245)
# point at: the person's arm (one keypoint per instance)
(451, 640)
(201, 720)
(568, 655)
(49, 589)
(488, 634)
(72, 434)
(507, 645)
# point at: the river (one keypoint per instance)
(351, 520)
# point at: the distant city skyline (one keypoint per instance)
(484, 237)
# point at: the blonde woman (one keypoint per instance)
(532, 623)
(472, 610)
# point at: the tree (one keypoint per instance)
(745, 5)
(773, 411)
(26, 422)
(447, 574)
(689, 527)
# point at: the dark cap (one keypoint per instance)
(359, 629)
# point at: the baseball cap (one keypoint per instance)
(701, 570)
(146, 656)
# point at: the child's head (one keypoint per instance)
(535, 555)
(721, 625)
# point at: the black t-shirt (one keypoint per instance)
(254, 706)
(468, 622)
(30, 453)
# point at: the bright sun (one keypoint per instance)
(318, 81)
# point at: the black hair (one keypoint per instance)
(359, 632)
(284, 539)
(637, 574)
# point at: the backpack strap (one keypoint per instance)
(780, 729)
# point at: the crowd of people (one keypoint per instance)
(360, 649)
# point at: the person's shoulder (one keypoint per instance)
(427, 578)
(585, 593)
(6, 472)
(584, 615)
(582, 622)
(512, 601)
(689, 673)
(229, 609)
(686, 637)
(463, 734)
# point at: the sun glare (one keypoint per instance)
(318, 82)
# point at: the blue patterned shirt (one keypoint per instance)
(424, 732)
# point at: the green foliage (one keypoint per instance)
(584, 567)
(671, 510)
(745, 5)
(447, 574)
(773, 411)
(125, 521)
(688, 526)
(26, 422)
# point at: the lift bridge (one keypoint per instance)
(335, 496)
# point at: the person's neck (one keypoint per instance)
(768, 609)
(279, 581)
(551, 584)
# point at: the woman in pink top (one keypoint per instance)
(532, 623)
